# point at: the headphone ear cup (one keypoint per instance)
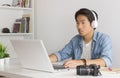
(94, 24)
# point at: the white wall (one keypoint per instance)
(55, 23)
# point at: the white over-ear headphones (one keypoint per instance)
(94, 22)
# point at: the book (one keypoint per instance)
(28, 3)
(22, 25)
(26, 18)
(21, 3)
(16, 27)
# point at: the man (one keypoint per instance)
(93, 46)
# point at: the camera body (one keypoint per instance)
(92, 69)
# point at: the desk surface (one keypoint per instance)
(14, 70)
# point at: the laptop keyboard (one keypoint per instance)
(56, 66)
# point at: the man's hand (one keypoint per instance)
(53, 58)
(72, 63)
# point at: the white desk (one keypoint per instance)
(14, 70)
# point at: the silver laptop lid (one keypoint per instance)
(32, 54)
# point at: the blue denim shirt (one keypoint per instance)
(101, 48)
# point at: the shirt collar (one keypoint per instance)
(94, 38)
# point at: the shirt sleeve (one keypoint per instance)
(65, 53)
(106, 54)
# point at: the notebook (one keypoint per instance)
(33, 55)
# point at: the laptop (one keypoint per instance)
(33, 55)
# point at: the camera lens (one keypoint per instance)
(88, 70)
(84, 70)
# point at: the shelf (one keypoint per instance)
(14, 8)
(15, 34)
(20, 19)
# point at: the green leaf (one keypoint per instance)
(3, 51)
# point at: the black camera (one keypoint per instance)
(92, 69)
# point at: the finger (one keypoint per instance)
(70, 65)
(67, 62)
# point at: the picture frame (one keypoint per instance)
(16, 3)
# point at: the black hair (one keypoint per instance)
(86, 12)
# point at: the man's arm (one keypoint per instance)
(53, 58)
(74, 63)
(100, 62)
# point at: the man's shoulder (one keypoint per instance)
(101, 35)
(77, 37)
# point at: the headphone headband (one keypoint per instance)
(95, 22)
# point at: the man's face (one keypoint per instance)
(83, 25)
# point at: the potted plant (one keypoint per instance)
(3, 54)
